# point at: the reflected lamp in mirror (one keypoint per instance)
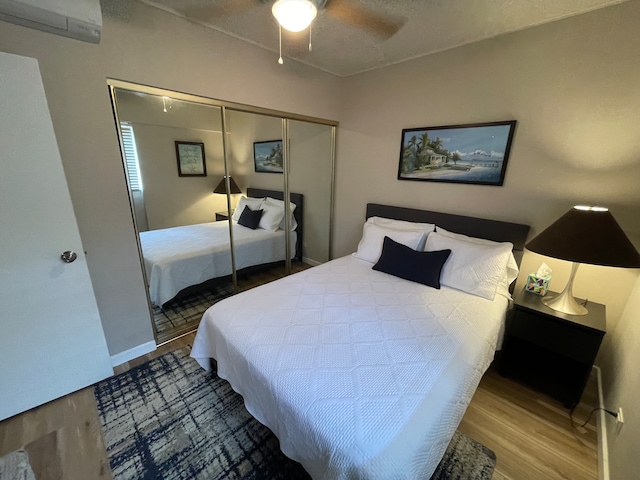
(222, 186)
(584, 235)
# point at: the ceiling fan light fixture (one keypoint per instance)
(294, 15)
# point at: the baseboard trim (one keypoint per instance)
(603, 445)
(135, 352)
(310, 261)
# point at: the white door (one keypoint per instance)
(51, 338)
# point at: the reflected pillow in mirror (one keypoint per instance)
(272, 215)
(253, 203)
(250, 218)
(403, 262)
(292, 207)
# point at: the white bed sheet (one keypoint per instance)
(176, 258)
(358, 373)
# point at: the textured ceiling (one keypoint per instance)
(339, 48)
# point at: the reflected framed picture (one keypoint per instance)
(473, 153)
(267, 156)
(191, 159)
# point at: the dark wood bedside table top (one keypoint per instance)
(595, 319)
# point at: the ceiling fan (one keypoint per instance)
(297, 15)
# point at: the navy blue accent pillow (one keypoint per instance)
(250, 218)
(404, 262)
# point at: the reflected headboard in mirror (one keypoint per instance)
(296, 199)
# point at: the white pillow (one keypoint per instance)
(271, 217)
(401, 224)
(370, 246)
(512, 265)
(280, 203)
(253, 203)
(472, 267)
(427, 228)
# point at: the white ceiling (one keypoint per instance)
(429, 26)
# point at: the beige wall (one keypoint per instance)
(621, 389)
(573, 86)
(574, 92)
(171, 200)
(147, 46)
(245, 129)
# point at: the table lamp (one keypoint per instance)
(584, 235)
(222, 186)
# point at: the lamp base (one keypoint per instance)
(564, 302)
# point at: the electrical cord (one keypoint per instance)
(613, 414)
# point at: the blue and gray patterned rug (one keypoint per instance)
(169, 419)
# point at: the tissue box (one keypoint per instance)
(537, 285)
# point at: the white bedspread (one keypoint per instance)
(176, 258)
(358, 373)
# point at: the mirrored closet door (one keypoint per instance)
(174, 158)
(310, 171)
(207, 183)
(254, 153)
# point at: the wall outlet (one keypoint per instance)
(620, 417)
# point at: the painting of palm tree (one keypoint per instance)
(471, 153)
(267, 156)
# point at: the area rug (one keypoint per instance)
(188, 311)
(169, 419)
(16, 466)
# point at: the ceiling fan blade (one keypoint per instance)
(212, 11)
(354, 13)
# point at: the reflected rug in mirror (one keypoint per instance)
(169, 419)
(184, 312)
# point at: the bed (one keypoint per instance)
(360, 374)
(180, 257)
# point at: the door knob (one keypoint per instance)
(68, 256)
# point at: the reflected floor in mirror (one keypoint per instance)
(182, 314)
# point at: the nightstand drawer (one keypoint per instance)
(556, 335)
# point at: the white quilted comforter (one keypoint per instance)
(358, 373)
(176, 258)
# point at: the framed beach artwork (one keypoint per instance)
(474, 153)
(191, 161)
(267, 156)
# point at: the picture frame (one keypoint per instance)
(191, 159)
(267, 156)
(474, 153)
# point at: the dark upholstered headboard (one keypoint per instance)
(297, 199)
(474, 227)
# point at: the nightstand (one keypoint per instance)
(552, 351)
(222, 216)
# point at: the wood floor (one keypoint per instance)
(530, 433)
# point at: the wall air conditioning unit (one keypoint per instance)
(79, 19)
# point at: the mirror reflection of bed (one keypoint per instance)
(183, 225)
(189, 267)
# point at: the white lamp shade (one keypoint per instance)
(294, 15)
